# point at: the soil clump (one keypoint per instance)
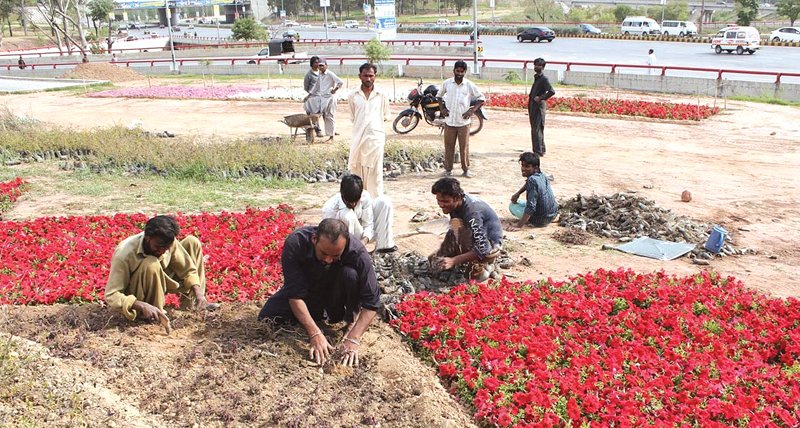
(102, 71)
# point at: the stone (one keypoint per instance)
(686, 196)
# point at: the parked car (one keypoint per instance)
(463, 23)
(443, 22)
(589, 29)
(332, 24)
(640, 25)
(351, 23)
(785, 34)
(536, 34)
(678, 28)
(739, 39)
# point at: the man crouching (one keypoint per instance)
(150, 264)
(326, 272)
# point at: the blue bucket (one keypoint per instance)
(716, 239)
(517, 209)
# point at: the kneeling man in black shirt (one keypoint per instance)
(326, 271)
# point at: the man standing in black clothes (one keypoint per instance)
(537, 105)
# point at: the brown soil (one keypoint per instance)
(102, 71)
(23, 42)
(226, 369)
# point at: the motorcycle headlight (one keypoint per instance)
(414, 94)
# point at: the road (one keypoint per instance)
(769, 58)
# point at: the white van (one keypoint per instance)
(678, 28)
(463, 23)
(739, 39)
(640, 25)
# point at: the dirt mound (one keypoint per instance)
(102, 71)
(216, 369)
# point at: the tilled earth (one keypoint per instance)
(83, 366)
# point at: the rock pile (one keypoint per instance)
(408, 273)
(625, 216)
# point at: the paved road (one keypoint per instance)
(769, 58)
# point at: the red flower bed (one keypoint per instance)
(9, 192)
(614, 348)
(608, 106)
(62, 259)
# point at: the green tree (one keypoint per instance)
(746, 11)
(789, 9)
(98, 11)
(677, 10)
(621, 11)
(248, 29)
(461, 5)
(6, 8)
(544, 10)
(376, 51)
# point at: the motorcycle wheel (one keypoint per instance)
(405, 123)
(476, 125)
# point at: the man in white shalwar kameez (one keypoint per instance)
(369, 108)
(327, 85)
(367, 218)
(311, 103)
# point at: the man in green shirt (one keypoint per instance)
(150, 264)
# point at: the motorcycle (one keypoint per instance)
(425, 105)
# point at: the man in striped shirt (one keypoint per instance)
(541, 207)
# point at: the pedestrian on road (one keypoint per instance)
(651, 61)
(541, 90)
(369, 109)
(21, 63)
(457, 108)
(327, 85)
(327, 273)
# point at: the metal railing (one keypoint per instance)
(443, 61)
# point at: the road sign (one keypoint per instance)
(324, 3)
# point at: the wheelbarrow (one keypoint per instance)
(306, 122)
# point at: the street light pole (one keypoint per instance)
(171, 45)
(475, 37)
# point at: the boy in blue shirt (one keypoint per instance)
(541, 206)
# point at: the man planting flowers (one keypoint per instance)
(475, 235)
(327, 273)
(150, 264)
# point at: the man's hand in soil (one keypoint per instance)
(320, 348)
(445, 263)
(200, 301)
(146, 310)
(349, 350)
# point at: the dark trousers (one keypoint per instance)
(536, 114)
(542, 221)
(451, 134)
(457, 241)
(337, 295)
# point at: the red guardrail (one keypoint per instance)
(443, 62)
(313, 42)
